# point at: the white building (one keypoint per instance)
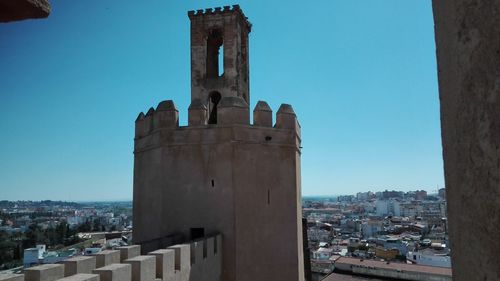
(369, 207)
(40, 255)
(32, 256)
(371, 228)
(74, 220)
(322, 254)
(388, 207)
(428, 257)
(319, 235)
(411, 209)
(363, 196)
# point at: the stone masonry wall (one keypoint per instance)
(198, 260)
(468, 55)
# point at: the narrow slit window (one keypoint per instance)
(268, 197)
(205, 249)
(215, 54)
(221, 60)
(215, 245)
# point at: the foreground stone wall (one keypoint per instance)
(195, 261)
(468, 53)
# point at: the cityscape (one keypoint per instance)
(38, 232)
(393, 229)
(390, 227)
(384, 169)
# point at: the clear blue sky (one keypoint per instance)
(361, 76)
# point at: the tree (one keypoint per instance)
(97, 225)
(61, 232)
(7, 248)
(18, 252)
(34, 235)
(85, 227)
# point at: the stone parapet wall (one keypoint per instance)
(166, 117)
(197, 260)
(207, 14)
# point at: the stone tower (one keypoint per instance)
(219, 59)
(221, 174)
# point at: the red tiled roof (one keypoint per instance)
(345, 277)
(397, 266)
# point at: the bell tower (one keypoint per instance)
(219, 61)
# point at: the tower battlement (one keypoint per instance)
(231, 111)
(225, 10)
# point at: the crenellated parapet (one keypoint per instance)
(262, 114)
(225, 10)
(233, 110)
(195, 260)
(230, 111)
(197, 114)
(286, 118)
(166, 115)
(160, 127)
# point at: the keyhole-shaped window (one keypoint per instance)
(215, 54)
(213, 101)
